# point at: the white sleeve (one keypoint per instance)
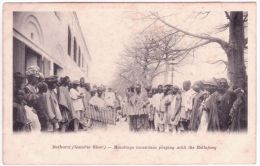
(73, 94)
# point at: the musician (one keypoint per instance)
(97, 100)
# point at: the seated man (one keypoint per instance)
(110, 98)
(97, 100)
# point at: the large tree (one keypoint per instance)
(234, 47)
(149, 56)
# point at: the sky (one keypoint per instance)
(107, 31)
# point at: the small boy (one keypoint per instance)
(41, 111)
(20, 121)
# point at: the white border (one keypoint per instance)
(257, 53)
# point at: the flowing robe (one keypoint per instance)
(156, 101)
(138, 111)
(186, 104)
(31, 98)
(196, 111)
(66, 106)
(219, 106)
(52, 105)
(174, 110)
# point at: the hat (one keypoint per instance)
(76, 82)
(33, 71)
(51, 79)
(211, 82)
(197, 84)
(168, 86)
(175, 87)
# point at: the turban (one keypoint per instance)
(33, 71)
(76, 82)
(51, 79)
(211, 82)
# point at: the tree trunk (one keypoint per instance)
(235, 52)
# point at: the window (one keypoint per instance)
(75, 50)
(79, 58)
(69, 41)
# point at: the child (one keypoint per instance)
(20, 121)
(41, 112)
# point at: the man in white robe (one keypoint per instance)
(156, 100)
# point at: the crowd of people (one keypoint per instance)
(52, 104)
(205, 106)
(55, 104)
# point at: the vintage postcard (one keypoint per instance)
(129, 83)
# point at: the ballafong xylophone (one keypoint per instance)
(106, 115)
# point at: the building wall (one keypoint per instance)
(46, 33)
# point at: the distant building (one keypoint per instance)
(51, 40)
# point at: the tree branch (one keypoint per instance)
(212, 39)
(227, 15)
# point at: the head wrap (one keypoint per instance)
(33, 71)
(76, 82)
(197, 84)
(175, 87)
(51, 79)
(211, 82)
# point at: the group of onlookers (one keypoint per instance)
(58, 104)
(205, 106)
(55, 104)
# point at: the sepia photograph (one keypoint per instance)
(129, 71)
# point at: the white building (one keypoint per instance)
(51, 40)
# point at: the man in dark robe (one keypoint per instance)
(238, 111)
(219, 106)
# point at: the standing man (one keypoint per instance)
(51, 103)
(164, 107)
(156, 101)
(31, 96)
(197, 100)
(77, 103)
(150, 108)
(174, 110)
(187, 96)
(138, 114)
(219, 106)
(210, 88)
(65, 103)
(33, 75)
